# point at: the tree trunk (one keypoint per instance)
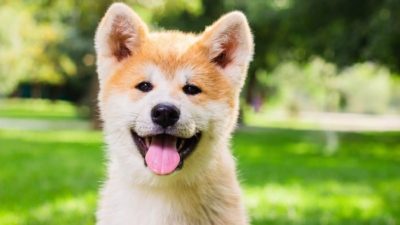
(91, 101)
(36, 90)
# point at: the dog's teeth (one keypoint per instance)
(181, 144)
(180, 165)
(147, 140)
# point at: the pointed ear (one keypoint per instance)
(118, 36)
(229, 45)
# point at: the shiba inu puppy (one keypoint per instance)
(169, 101)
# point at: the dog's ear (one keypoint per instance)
(229, 45)
(118, 36)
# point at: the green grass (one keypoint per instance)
(49, 177)
(39, 109)
(289, 177)
(292, 177)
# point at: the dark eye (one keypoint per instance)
(144, 86)
(191, 89)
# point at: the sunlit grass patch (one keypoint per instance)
(314, 203)
(273, 119)
(40, 109)
(288, 178)
(49, 177)
(65, 210)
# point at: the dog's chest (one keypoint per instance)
(155, 208)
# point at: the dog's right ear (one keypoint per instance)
(118, 36)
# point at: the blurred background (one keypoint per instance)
(318, 140)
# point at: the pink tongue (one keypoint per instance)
(162, 156)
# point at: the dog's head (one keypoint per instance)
(169, 100)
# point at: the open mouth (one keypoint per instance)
(164, 153)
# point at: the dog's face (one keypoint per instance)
(168, 100)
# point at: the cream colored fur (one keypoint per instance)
(206, 191)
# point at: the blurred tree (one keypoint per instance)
(347, 31)
(25, 45)
(365, 88)
(52, 41)
(340, 31)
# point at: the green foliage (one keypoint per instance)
(306, 87)
(289, 34)
(395, 88)
(52, 41)
(52, 177)
(340, 31)
(319, 86)
(23, 42)
(366, 88)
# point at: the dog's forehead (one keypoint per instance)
(174, 42)
(156, 72)
(172, 54)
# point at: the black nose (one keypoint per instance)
(165, 115)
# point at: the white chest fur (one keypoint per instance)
(207, 204)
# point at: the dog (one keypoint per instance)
(169, 103)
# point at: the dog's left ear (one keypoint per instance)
(229, 45)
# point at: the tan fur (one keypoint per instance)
(206, 190)
(215, 86)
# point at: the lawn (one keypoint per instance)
(288, 176)
(40, 109)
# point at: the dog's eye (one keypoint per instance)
(191, 89)
(144, 86)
